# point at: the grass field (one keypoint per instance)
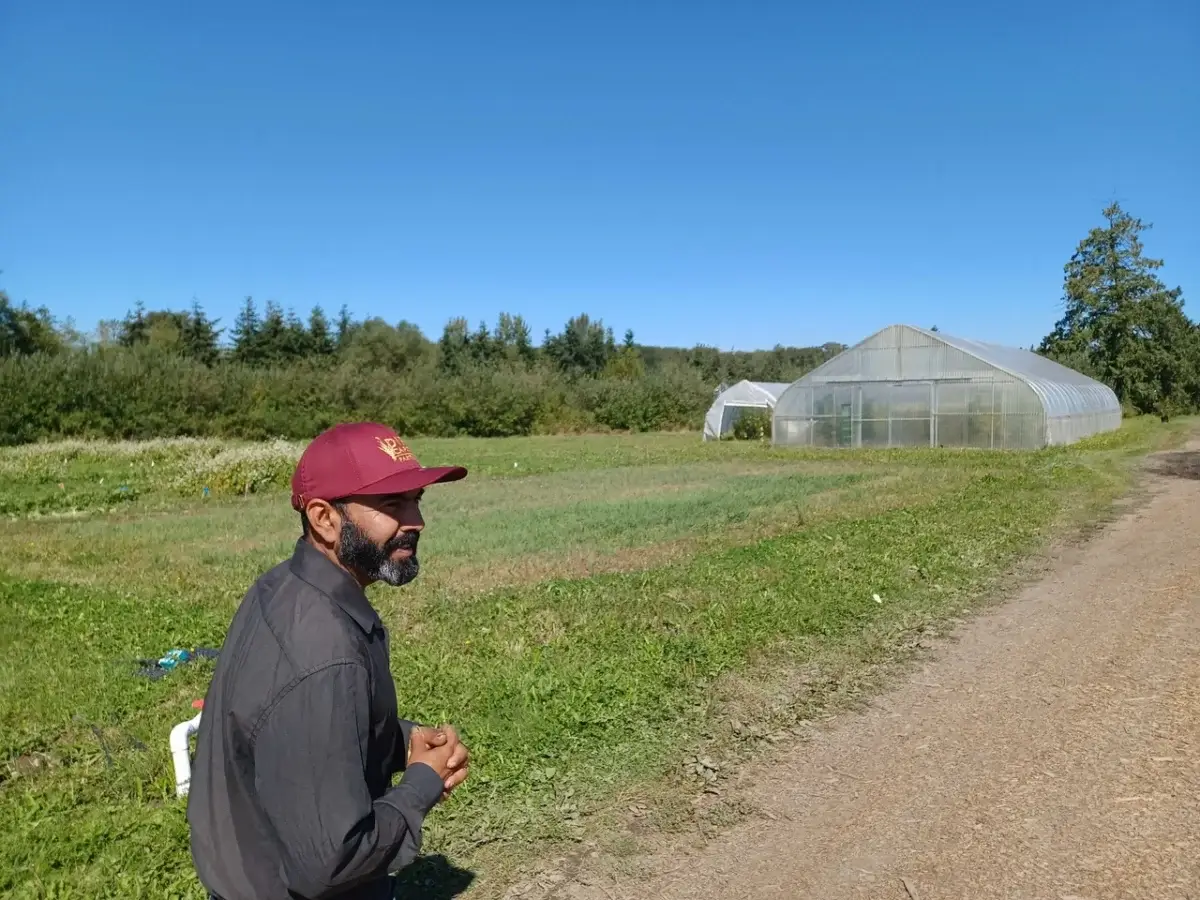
(593, 613)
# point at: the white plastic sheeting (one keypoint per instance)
(733, 401)
(905, 386)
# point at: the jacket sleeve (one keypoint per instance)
(310, 759)
(401, 754)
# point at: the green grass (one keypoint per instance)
(80, 476)
(579, 617)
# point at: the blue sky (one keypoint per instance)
(736, 174)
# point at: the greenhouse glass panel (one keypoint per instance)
(905, 386)
(910, 432)
(980, 397)
(874, 401)
(804, 403)
(823, 401)
(952, 430)
(910, 401)
(1021, 431)
(874, 433)
(793, 432)
(952, 397)
(979, 431)
(823, 432)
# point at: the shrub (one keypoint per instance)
(147, 392)
(753, 425)
(244, 469)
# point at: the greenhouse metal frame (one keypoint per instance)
(732, 402)
(905, 386)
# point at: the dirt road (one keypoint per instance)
(1051, 751)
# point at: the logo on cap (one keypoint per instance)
(395, 448)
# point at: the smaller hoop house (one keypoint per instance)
(732, 403)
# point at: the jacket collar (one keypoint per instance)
(311, 566)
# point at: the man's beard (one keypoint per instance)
(358, 552)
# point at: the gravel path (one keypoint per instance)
(1051, 751)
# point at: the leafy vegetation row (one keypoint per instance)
(144, 391)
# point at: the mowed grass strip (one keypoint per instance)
(482, 532)
(568, 690)
(72, 477)
(79, 476)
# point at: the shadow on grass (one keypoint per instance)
(432, 878)
(1182, 464)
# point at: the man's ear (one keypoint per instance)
(324, 520)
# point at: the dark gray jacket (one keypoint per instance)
(298, 744)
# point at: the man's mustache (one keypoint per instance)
(407, 541)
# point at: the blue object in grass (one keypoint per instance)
(174, 658)
(159, 668)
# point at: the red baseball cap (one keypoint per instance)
(361, 458)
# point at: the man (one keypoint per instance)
(291, 792)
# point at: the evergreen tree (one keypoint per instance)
(345, 327)
(247, 334)
(480, 346)
(627, 364)
(135, 329)
(296, 343)
(319, 338)
(1122, 325)
(200, 336)
(454, 346)
(274, 337)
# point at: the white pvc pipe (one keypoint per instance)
(181, 755)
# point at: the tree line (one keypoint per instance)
(270, 373)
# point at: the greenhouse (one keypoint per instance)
(732, 403)
(908, 387)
